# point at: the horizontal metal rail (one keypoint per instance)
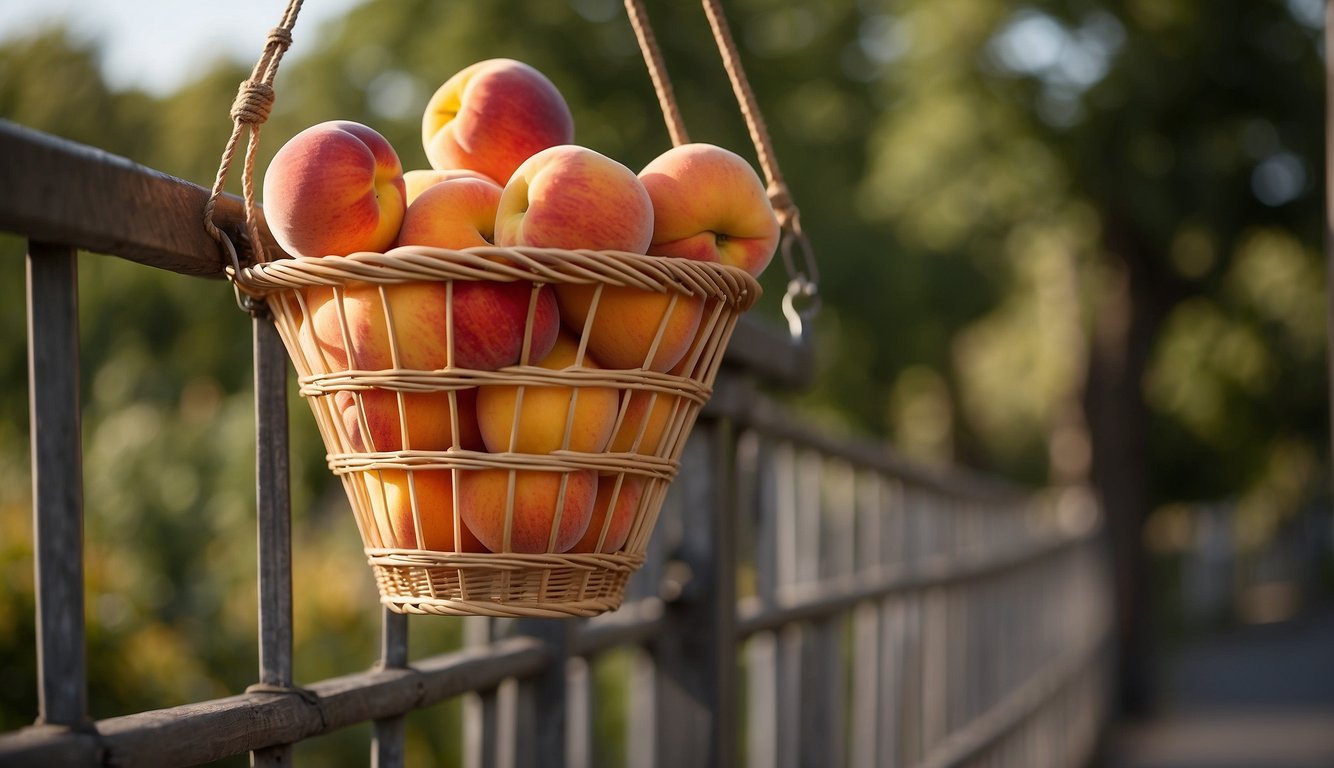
(210, 730)
(830, 598)
(736, 398)
(1018, 705)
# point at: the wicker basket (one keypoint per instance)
(402, 440)
(450, 527)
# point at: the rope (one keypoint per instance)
(657, 72)
(803, 282)
(253, 104)
(750, 111)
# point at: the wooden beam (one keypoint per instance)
(60, 191)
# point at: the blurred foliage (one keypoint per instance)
(963, 168)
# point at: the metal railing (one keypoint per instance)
(808, 600)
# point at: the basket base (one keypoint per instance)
(512, 585)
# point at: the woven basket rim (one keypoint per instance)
(406, 264)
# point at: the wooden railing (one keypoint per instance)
(808, 600)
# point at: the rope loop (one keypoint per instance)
(280, 38)
(251, 108)
(254, 102)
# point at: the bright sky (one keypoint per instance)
(157, 44)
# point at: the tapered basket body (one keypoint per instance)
(506, 421)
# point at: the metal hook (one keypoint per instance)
(799, 317)
(801, 284)
(251, 305)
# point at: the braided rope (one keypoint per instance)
(803, 281)
(657, 71)
(750, 110)
(251, 109)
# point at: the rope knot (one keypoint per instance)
(281, 37)
(254, 102)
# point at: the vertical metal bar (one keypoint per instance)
(1329, 203)
(482, 708)
(893, 663)
(481, 717)
(387, 745)
(543, 725)
(57, 482)
(788, 672)
(697, 666)
(823, 690)
(641, 714)
(865, 685)
(762, 701)
(582, 710)
(273, 501)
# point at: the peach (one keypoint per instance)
(533, 418)
(709, 204)
(647, 416)
(335, 188)
(489, 329)
(549, 510)
(613, 510)
(454, 213)
(570, 196)
(631, 327)
(491, 116)
(391, 493)
(418, 180)
(427, 423)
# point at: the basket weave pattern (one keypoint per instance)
(419, 478)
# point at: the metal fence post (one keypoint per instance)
(57, 483)
(696, 655)
(387, 745)
(273, 502)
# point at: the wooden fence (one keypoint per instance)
(808, 601)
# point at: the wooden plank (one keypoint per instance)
(61, 191)
(57, 483)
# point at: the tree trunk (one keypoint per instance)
(1126, 323)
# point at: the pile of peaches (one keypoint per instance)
(505, 172)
